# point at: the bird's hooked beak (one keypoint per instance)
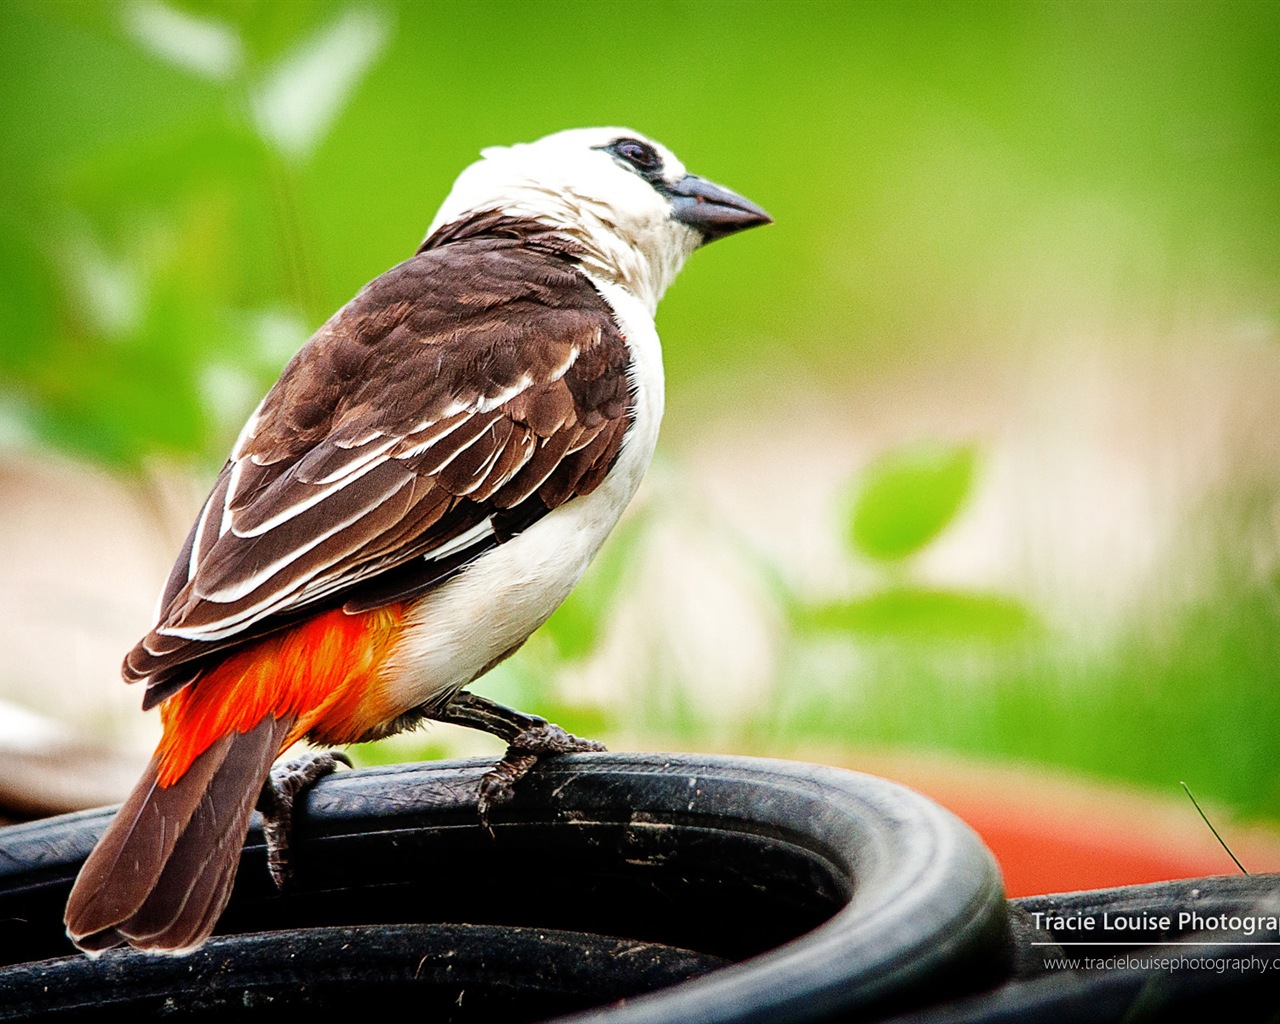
(712, 210)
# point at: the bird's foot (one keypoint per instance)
(497, 786)
(276, 801)
(528, 738)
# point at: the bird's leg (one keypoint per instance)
(277, 798)
(527, 737)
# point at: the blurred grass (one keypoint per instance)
(1179, 691)
(1198, 701)
(967, 179)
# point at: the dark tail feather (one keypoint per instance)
(162, 872)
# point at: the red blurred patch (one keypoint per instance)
(1054, 832)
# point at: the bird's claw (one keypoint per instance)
(276, 802)
(497, 786)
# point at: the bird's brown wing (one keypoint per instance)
(456, 400)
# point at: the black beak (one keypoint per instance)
(712, 210)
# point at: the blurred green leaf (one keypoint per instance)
(908, 497)
(926, 614)
(28, 297)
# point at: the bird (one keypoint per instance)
(424, 484)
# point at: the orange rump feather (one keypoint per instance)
(324, 673)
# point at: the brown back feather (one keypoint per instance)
(492, 310)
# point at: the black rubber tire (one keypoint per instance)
(786, 892)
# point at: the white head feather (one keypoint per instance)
(568, 181)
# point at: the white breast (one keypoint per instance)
(456, 632)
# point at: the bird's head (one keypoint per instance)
(626, 200)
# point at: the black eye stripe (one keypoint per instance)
(638, 155)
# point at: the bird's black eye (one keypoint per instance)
(640, 155)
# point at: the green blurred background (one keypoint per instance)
(976, 449)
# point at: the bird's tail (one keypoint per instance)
(162, 872)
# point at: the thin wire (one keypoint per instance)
(1205, 817)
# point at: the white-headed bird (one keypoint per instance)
(419, 491)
